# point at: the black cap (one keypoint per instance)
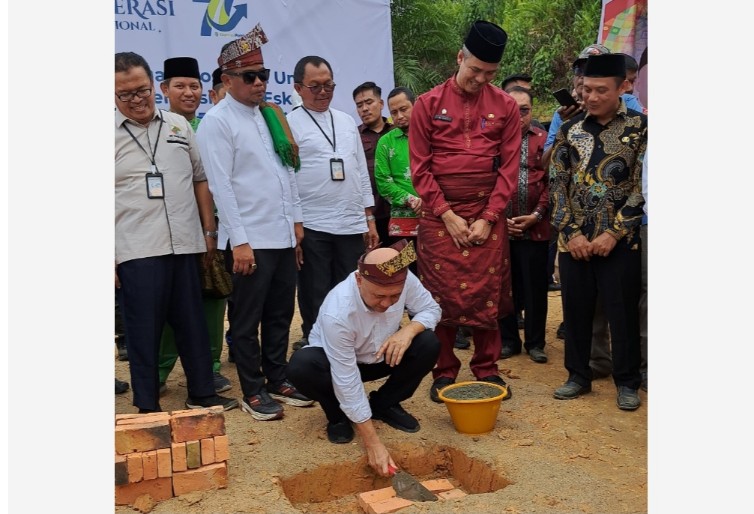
(515, 77)
(216, 79)
(605, 65)
(486, 41)
(181, 67)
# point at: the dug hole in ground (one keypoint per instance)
(543, 456)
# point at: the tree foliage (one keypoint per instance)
(544, 37)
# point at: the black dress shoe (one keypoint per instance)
(340, 432)
(560, 334)
(438, 384)
(461, 342)
(537, 355)
(508, 352)
(121, 386)
(397, 417)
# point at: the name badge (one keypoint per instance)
(155, 187)
(442, 117)
(337, 171)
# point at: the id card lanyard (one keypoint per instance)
(337, 170)
(155, 185)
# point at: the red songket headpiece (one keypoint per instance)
(245, 51)
(392, 271)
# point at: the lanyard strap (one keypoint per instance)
(332, 121)
(154, 151)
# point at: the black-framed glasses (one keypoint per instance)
(249, 77)
(141, 93)
(524, 110)
(329, 88)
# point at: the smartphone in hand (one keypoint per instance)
(564, 98)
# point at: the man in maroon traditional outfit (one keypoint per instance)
(464, 144)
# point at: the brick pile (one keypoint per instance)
(384, 501)
(169, 454)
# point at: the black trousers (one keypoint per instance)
(309, 372)
(617, 279)
(155, 290)
(328, 259)
(266, 298)
(529, 281)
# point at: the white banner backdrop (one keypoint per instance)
(353, 35)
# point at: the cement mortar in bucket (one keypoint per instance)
(473, 415)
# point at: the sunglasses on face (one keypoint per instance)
(329, 88)
(249, 77)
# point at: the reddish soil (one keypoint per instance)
(543, 455)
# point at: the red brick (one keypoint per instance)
(159, 489)
(369, 497)
(193, 454)
(149, 463)
(208, 451)
(453, 494)
(142, 437)
(135, 467)
(164, 463)
(121, 470)
(197, 424)
(222, 450)
(132, 419)
(389, 505)
(213, 476)
(178, 451)
(438, 485)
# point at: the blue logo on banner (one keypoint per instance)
(219, 17)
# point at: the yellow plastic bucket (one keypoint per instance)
(473, 416)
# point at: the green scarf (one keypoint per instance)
(282, 138)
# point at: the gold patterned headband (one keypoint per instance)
(392, 271)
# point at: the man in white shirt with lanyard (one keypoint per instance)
(336, 194)
(358, 338)
(251, 162)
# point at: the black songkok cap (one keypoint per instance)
(605, 65)
(486, 41)
(216, 79)
(181, 67)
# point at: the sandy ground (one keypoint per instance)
(543, 456)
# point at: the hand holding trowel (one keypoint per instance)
(408, 487)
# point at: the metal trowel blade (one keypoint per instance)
(409, 488)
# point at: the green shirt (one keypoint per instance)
(392, 173)
(195, 122)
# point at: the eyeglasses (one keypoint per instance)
(524, 110)
(141, 93)
(329, 88)
(249, 77)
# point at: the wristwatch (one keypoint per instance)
(213, 235)
(538, 215)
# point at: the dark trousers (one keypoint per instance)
(309, 372)
(328, 259)
(529, 281)
(266, 298)
(155, 290)
(617, 279)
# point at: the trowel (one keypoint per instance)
(409, 488)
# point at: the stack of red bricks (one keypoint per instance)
(383, 501)
(169, 454)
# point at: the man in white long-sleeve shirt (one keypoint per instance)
(358, 338)
(336, 194)
(250, 164)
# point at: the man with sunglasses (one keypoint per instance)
(251, 162)
(336, 193)
(163, 220)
